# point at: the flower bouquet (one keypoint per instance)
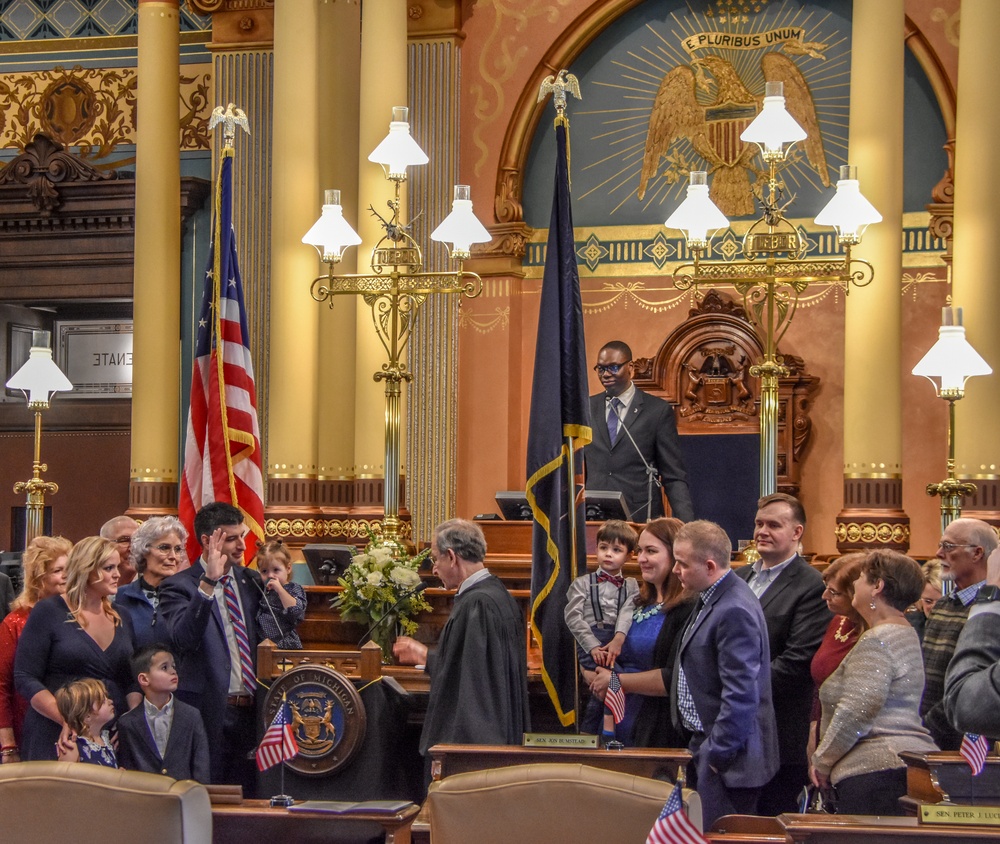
(373, 583)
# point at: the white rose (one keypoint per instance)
(375, 578)
(381, 557)
(403, 576)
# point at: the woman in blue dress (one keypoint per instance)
(71, 637)
(661, 611)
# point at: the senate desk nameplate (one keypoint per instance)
(958, 815)
(559, 740)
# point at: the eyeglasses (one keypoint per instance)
(613, 368)
(123, 540)
(833, 593)
(163, 548)
(951, 546)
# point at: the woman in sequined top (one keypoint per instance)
(871, 702)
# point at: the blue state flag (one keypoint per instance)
(559, 425)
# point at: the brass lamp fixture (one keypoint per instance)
(950, 362)
(773, 270)
(38, 379)
(397, 284)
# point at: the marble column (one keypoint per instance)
(383, 85)
(340, 105)
(156, 310)
(292, 462)
(974, 284)
(873, 515)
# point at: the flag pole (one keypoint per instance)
(559, 100)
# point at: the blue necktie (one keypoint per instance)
(613, 419)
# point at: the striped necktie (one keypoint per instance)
(240, 631)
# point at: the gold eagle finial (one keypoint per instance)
(558, 85)
(230, 117)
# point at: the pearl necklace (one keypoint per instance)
(839, 634)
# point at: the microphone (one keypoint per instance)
(416, 590)
(652, 475)
(270, 609)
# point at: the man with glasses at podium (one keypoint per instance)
(635, 449)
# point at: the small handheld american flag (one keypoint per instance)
(974, 749)
(615, 698)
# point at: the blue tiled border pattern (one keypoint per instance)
(36, 20)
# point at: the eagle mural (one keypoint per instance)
(714, 128)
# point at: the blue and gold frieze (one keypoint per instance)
(38, 20)
(652, 250)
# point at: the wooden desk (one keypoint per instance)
(448, 759)
(933, 777)
(255, 820)
(840, 829)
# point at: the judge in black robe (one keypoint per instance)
(479, 671)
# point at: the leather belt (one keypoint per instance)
(241, 701)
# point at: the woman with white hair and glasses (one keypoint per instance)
(157, 553)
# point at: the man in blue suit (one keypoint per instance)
(721, 691)
(210, 612)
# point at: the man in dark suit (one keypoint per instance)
(722, 680)
(210, 611)
(791, 594)
(613, 461)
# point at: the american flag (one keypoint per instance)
(279, 742)
(974, 749)
(673, 826)
(615, 698)
(222, 450)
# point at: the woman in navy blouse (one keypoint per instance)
(70, 637)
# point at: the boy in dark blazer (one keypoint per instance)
(163, 735)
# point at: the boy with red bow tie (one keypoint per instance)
(599, 606)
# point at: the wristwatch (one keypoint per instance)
(206, 579)
(988, 594)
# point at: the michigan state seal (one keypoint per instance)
(327, 714)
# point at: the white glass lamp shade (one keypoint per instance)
(697, 216)
(461, 227)
(39, 378)
(774, 127)
(398, 150)
(331, 233)
(848, 211)
(951, 360)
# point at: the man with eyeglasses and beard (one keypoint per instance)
(633, 430)
(965, 547)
